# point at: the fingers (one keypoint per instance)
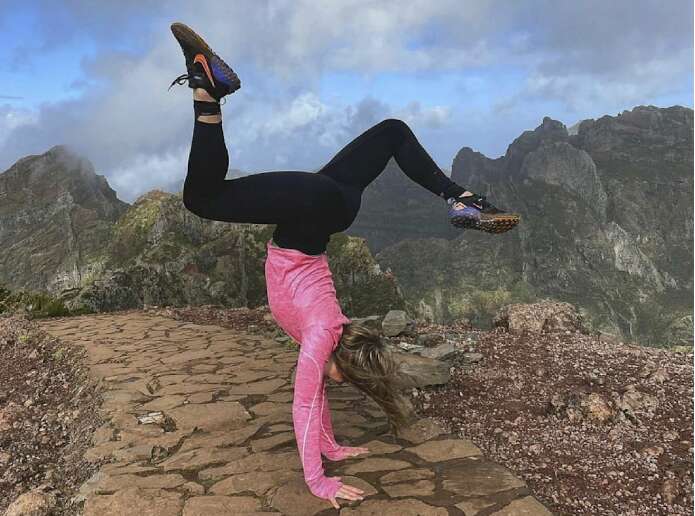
(335, 503)
(350, 493)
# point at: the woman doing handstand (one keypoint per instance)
(307, 208)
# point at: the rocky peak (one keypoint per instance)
(666, 132)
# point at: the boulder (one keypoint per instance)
(32, 503)
(396, 322)
(546, 316)
(420, 371)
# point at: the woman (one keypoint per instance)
(307, 208)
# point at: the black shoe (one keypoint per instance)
(475, 212)
(205, 69)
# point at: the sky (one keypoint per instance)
(315, 74)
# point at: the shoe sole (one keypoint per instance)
(498, 224)
(183, 32)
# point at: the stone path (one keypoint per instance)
(220, 440)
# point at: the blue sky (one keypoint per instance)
(93, 75)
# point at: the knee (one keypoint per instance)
(191, 203)
(396, 124)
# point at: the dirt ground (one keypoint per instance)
(48, 412)
(593, 428)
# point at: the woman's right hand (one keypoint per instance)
(348, 492)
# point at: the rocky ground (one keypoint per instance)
(591, 427)
(594, 428)
(48, 411)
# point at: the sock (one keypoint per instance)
(453, 191)
(203, 108)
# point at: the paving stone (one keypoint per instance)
(262, 387)
(294, 499)
(221, 438)
(473, 506)
(220, 505)
(267, 407)
(527, 506)
(417, 488)
(210, 416)
(110, 484)
(258, 445)
(407, 507)
(134, 453)
(186, 357)
(163, 402)
(193, 488)
(472, 477)
(376, 464)
(201, 457)
(380, 447)
(200, 397)
(422, 430)
(257, 481)
(190, 388)
(446, 449)
(406, 475)
(264, 461)
(133, 500)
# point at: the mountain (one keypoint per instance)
(64, 231)
(607, 224)
(56, 214)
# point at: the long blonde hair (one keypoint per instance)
(366, 363)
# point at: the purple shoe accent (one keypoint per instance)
(465, 213)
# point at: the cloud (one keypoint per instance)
(516, 60)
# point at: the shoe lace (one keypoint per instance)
(179, 80)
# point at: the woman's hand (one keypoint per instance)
(348, 492)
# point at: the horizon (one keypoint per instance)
(95, 79)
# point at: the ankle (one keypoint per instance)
(202, 95)
(210, 119)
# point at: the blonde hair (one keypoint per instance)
(365, 362)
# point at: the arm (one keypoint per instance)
(316, 347)
(329, 447)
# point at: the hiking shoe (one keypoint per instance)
(475, 212)
(205, 69)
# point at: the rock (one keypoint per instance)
(294, 499)
(429, 340)
(32, 503)
(416, 488)
(420, 371)
(406, 475)
(577, 405)
(422, 430)
(376, 464)
(440, 352)
(396, 322)
(633, 403)
(371, 321)
(540, 317)
(670, 490)
(446, 449)
(472, 358)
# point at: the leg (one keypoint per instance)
(293, 197)
(364, 158)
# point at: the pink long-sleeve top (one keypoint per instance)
(302, 299)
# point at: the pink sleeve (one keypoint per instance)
(315, 349)
(329, 447)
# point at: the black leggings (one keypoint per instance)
(306, 206)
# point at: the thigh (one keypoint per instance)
(273, 198)
(364, 158)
